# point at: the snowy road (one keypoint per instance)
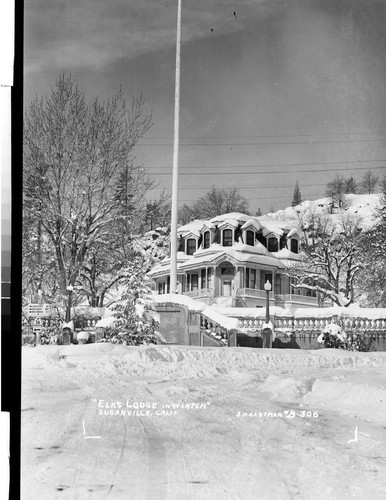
(98, 422)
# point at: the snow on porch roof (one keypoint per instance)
(240, 257)
(164, 265)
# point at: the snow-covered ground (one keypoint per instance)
(360, 205)
(170, 422)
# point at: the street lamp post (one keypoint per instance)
(267, 327)
(267, 288)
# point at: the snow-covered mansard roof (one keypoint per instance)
(235, 219)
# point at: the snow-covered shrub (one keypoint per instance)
(359, 342)
(128, 336)
(333, 337)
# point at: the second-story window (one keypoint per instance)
(190, 246)
(227, 238)
(207, 239)
(273, 245)
(294, 245)
(250, 238)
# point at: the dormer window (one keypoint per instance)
(250, 238)
(273, 245)
(190, 246)
(207, 239)
(227, 238)
(294, 245)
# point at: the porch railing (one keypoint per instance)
(252, 292)
(201, 292)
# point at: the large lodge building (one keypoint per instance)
(227, 260)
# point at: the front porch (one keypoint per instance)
(231, 284)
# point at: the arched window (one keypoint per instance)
(207, 239)
(250, 238)
(273, 245)
(294, 245)
(190, 246)
(227, 238)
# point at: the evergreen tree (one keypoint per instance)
(158, 212)
(383, 184)
(350, 185)
(135, 308)
(297, 198)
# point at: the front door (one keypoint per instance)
(227, 287)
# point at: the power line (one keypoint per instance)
(262, 143)
(260, 186)
(267, 136)
(283, 164)
(263, 197)
(195, 173)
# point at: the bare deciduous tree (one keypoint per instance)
(331, 260)
(74, 154)
(369, 182)
(336, 191)
(215, 202)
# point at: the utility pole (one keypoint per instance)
(174, 222)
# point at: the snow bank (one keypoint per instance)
(192, 361)
(362, 399)
(345, 382)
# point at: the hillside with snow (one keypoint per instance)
(362, 206)
(172, 422)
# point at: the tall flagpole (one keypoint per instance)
(174, 222)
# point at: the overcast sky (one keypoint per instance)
(271, 91)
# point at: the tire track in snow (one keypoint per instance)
(157, 483)
(187, 479)
(119, 461)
